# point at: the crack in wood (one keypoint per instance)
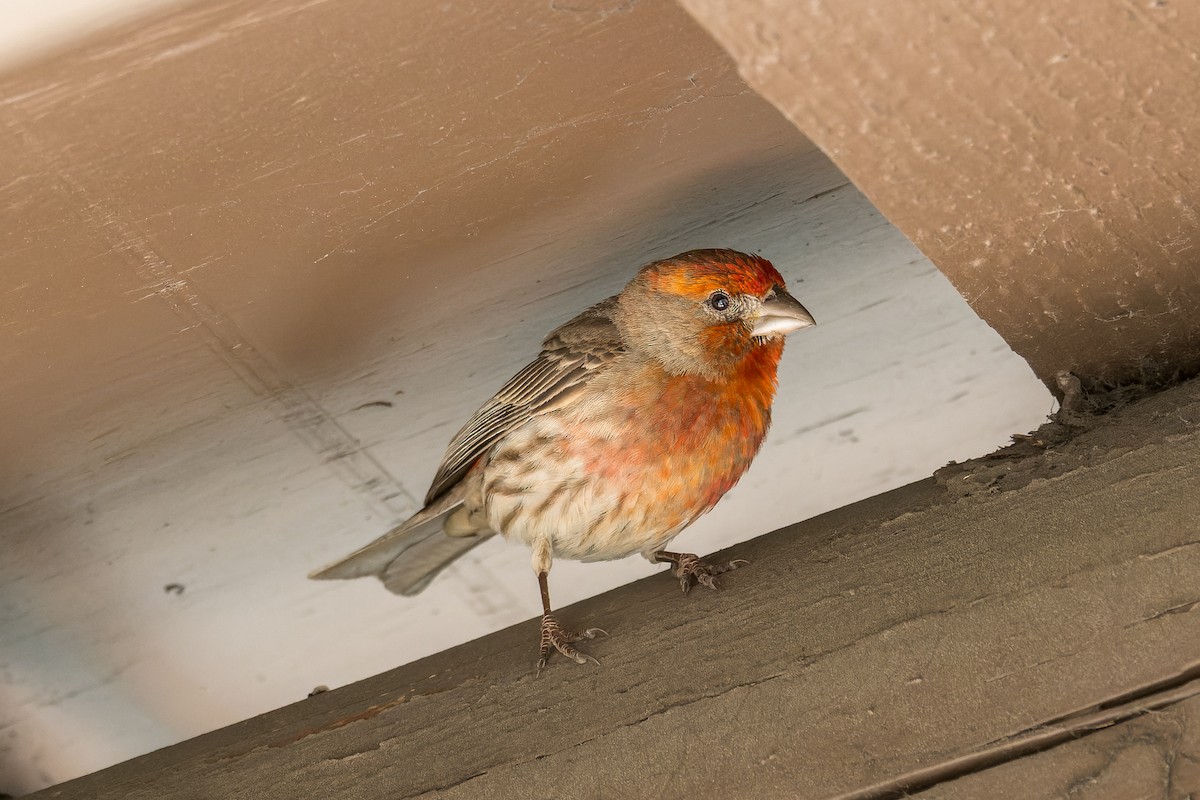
(1038, 739)
(1182, 608)
(439, 789)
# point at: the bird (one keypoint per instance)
(635, 418)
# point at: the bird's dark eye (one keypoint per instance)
(718, 301)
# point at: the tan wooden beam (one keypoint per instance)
(1043, 155)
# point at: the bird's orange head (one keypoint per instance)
(704, 311)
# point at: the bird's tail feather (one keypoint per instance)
(422, 562)
(408, 557)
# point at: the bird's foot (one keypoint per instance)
(690, 568)
(555, 638)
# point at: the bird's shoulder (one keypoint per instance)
(592, 331)
(571, 355)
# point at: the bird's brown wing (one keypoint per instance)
(570, 356)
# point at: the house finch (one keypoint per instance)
(637, 416)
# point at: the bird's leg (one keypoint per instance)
(555, 638)
(690, 567)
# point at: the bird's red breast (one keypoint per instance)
(682, 441)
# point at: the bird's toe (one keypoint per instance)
(553, 638)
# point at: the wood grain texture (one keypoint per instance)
(1151, 755)
(900, 634)
(1038, 153)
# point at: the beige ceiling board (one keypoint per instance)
(1041, 154)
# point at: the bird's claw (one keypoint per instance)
(555, 638)
(690, 568)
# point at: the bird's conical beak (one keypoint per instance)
(781, 314)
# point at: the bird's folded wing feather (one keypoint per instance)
(570, 356)
(408, 556)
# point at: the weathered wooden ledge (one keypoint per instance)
(1001, 630)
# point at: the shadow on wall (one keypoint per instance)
(527, 271)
